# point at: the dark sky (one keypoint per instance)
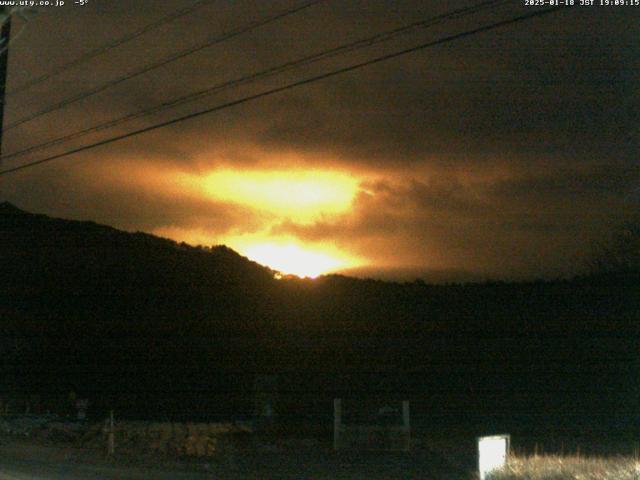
(504, 154)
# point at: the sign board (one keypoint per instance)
(493, 452)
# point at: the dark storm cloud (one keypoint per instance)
(505, 94)
(537, 89)
(507, 151)
(530, 225)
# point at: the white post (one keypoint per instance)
(493, 453)
(337, 422)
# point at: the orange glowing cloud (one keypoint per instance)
(298, 195)
(273, 197)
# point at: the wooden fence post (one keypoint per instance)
(112, 440)
(406, 423)
(337, 422)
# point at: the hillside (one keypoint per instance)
(84, 257)
(73, 267)
(158, 328)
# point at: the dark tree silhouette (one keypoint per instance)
(155, 328)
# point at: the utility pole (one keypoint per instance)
(5, 36)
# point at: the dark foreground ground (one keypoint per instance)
(294, 454)
(20, 459)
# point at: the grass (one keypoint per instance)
(569, 467)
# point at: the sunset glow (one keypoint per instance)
(272, 198)
(294, 260)
(290, 256)
(298, 195)
(286, 255)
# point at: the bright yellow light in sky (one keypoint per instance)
(274, 196)
(290, 256)
(287, 256)
(293, 259)
(299, 195)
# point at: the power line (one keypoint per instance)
(309, 59)
(163, 62)
(110, 46)
(289, 86)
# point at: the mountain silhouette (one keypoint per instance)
(77, 257)
(160, 328)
